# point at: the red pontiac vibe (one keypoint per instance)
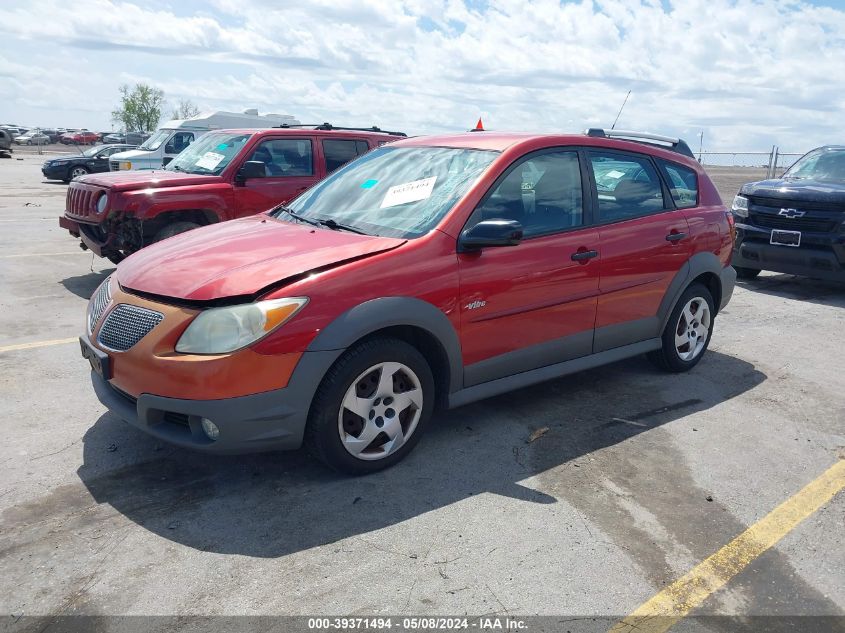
(428, 273)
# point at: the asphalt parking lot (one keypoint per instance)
(579, 499)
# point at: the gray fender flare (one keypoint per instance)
(377, 314)
(696, 265)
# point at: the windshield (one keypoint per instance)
(394, 191)
(826, 165)
(91, 151)
(155, 141)
(210, 154)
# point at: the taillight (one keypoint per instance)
(731, 225)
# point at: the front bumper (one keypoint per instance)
(821, 255)
(55, 173)
(88, 234)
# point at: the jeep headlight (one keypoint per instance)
(740, 206)
(222, 330)
(102, 203)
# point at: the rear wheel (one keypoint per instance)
(174, 229)
(688, 331)
(746, 273)
(371, 408)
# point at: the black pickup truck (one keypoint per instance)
(794, 224)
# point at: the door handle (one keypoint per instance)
(583, 256)
(675, 237)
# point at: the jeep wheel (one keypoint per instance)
(174, 229)
(688, 331)
(746, 273)
(371, 408)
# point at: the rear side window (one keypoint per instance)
(627, 186)
(683, 184)
(179, 142)
(339, 152)
(542, 192)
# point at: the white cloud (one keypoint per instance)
(748, 73)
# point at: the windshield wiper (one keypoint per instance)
(337, 226)
(296, 216)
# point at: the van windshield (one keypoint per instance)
(155, 141)
(210, 154)
(392, 191)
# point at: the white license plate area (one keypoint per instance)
(785, 238)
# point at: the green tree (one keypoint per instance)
(140, 108)
(186, 109)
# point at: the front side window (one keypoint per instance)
(394, 191)
(179, 142)
(210, 154)
(627, 186)
(543, 193)
(683, 184)
(285, 157)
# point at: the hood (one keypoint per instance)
(147, 179)
(797, 189)
(241, 257)
(131, 154)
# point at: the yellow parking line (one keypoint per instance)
(19, 346)
(674, 602)
(79, 252)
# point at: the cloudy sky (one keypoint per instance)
(748, 74)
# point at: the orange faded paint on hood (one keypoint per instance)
(241, 257)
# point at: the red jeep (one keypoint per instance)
(429, 273)
(224, 175)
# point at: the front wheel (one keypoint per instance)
(76, 172)
(688, 331)
(174, 229)
(371, 408)
(746, 273)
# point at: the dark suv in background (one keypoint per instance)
(794, 224)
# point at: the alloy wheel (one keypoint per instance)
(692, 329)
(380, 411)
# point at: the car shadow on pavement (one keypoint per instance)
(85, 285)
(828, 293)
(273, 504)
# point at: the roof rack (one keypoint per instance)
(667, 142)
(329, 126)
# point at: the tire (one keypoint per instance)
(174, 229)
(746, 273)
(693, 316)
(333, 433)
(76, 172)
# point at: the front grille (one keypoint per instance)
(80, 200)
(801, 205)
(805, 224)
(99, 302)
(126, 325)
(114, 165)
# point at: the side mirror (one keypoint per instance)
(491, 233)
(250, 169)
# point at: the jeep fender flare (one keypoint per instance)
(385, 312)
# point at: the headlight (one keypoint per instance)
(102, 203)
(740, 206)
(126, 165)
(222, 330)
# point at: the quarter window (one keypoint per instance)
(683, 184)
(285, 157)
(627, 186)
(543, 193)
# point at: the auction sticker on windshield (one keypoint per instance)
(210, 160)
(409, 192)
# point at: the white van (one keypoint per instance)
(174, 136)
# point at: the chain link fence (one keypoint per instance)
(731, 170)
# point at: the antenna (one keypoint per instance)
(620, 110)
